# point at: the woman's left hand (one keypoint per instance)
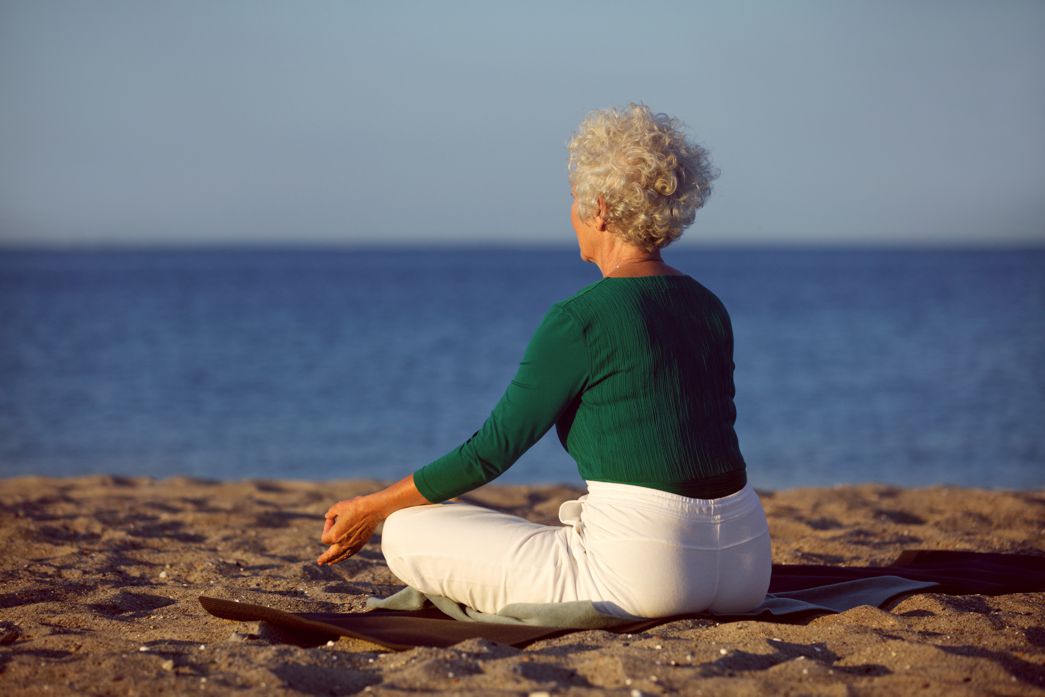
(348, 526)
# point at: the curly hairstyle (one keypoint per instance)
(651, 177)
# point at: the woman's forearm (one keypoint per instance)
(402, 494)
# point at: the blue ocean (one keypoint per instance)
(911, 367)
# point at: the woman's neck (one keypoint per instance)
(615, 257)
(630, 261)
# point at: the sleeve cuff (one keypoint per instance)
(421, 482)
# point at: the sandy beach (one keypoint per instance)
(101, 575)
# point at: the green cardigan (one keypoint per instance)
(636, 374)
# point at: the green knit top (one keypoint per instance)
(636, 374)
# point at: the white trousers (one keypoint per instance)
(633, 551)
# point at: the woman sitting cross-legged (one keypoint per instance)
(635, 371)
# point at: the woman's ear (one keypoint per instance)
(600, 215)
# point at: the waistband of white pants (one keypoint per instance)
(733, 504)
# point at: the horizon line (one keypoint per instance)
(461, 245)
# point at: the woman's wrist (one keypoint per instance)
(378, 505)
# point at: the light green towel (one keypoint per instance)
(582, 614)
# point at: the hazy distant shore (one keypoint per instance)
(95, 568)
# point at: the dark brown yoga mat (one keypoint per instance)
(393, 629)
(957, 573)
(805, 591)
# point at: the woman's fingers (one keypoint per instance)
(328, 556)
(335, 514)
(344, 554)
(334, 527)
(336, 553)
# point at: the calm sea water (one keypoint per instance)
(909, 367)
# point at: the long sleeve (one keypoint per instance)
(552, 373)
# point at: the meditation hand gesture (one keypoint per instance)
(347, 527)
(350, 523)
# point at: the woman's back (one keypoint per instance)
(657, 406)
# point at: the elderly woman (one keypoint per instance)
(635, 371)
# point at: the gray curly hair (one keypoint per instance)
(651, 177)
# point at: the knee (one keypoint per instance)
(407, 532)
(406, 543)
(394, 535)
(394, 532)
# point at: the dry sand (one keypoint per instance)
(101, 574)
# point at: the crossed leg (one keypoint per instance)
(481, 557)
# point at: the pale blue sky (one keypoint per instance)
(396, 122)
